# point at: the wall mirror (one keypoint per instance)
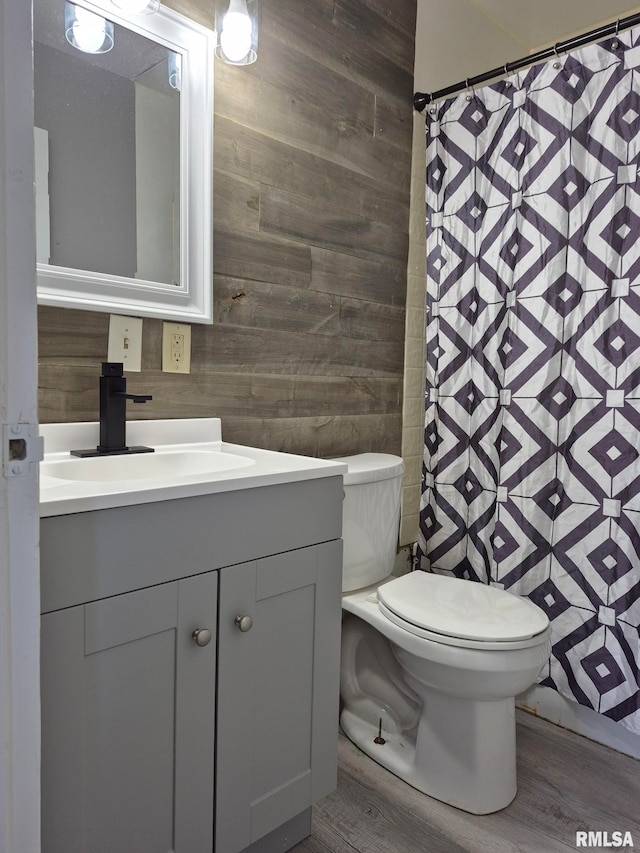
(124, 138)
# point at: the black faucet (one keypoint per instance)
(113, 414)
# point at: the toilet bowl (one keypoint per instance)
(431, 664)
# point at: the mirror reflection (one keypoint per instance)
(107, 133)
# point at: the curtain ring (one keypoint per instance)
(469, 90)
(557, 64)
(507, 83)
(615, 44)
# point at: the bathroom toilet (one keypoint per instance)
(430, 664)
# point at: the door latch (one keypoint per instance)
(21, 445)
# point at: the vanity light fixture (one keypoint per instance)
(87, 31)
(138, 7)
(237, 24)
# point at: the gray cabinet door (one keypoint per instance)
(278, 686)
(128, 703)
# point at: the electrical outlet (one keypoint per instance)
(176, 348)
(125, 342)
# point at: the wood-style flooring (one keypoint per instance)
(566, 784)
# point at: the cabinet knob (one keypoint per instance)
(202, 636)
(244, 623)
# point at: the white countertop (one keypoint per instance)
(255, 467)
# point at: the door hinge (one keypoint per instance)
(21, 445)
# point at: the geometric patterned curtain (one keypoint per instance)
(532, 431)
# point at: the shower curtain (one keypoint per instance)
(531, 478)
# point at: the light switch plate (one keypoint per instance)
(176, 348)
(125, 342)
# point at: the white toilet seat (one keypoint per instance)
(462, 614)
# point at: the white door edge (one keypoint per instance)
(19, 522)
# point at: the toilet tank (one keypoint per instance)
(370, 517)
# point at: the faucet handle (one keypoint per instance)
(136, 398)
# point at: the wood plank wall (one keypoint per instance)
(312, 158)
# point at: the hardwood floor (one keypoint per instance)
(566, 784)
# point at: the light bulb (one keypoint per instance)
(87, 31)
(235, 38)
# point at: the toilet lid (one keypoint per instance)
(464, 609)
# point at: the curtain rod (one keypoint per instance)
(421, 99)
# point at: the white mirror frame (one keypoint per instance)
(192, 300)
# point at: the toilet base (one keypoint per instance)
(464, 754)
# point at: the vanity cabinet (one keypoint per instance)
(128, 704)
(277, 700)
(153, 742)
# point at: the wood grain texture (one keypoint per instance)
(328, 39)
(317, 222)
(260, 304)
(373, 280)
(392, 123)
(273, 163)
(342, 434)
(374, 30)
(312, 162)
(402, 16)
(291, 98)
(260, 258)
(566, 784)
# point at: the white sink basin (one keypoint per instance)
(143, 466)
(190, 459)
